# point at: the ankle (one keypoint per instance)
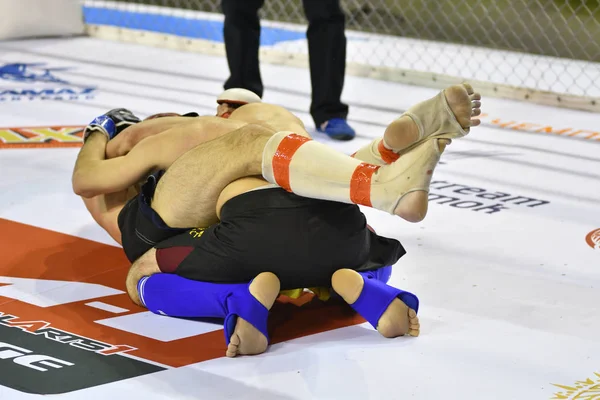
(413, 207)
(401, 133)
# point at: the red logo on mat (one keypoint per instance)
(39, 136)
(593, 239)
(92, 309)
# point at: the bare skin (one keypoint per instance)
(271, 116)
(106, 185)
(250, 139)
(187, 194)
(240, 147)
(105, 209)
(397, 320)
(123, 143)
(95, 176)
(245, 339)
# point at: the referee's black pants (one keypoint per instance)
(326, 47)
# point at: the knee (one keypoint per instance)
(146, 265)
(133, 277)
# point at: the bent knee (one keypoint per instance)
(144, 266)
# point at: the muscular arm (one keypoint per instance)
(94, 175)
(130, 137)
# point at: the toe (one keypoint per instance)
(232, 349)
(413, 332)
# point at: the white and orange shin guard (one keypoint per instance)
(377, 152)
(311, 169)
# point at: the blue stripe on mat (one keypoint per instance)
(179, 26)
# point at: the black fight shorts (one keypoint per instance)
(303, 241)
(141, 227)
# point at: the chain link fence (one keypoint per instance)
(546, 51)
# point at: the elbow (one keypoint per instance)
(81, 186)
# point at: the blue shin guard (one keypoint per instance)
(172, 295)
(382, 274)
(376, 297)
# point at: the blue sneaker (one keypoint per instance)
(338, 129)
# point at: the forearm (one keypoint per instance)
(123, 143)
(94, 175)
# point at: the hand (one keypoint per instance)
(111, 124)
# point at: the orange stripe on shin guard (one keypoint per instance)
(360, 185)
(388, 156)
(283, 157)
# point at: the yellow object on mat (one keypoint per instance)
(322, 293)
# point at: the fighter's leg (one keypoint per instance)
(187, 194)
(458, 107)
(144, 266)
(407, 130)
(243, 306)
(391, 311)
(309, 169)
(105, 209)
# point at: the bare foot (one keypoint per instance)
(464, 103)
(246, 339)
(397, 320)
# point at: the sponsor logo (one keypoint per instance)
(44, 329)
(539, 128)
(478, 199)
(197, 232)
(31, 363)
(588, 389)
(23, 357)
(593, 239)
(41, 137)
(21, 81)
(63, 299)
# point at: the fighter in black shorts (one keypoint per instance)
(138, 227)
(390, 174)
(302, 242)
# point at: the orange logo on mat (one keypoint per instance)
(49, 260)
(593, 239)
(56, 136)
